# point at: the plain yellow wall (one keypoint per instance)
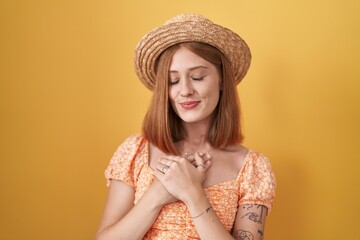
(69, 97)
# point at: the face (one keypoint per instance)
(194, 86)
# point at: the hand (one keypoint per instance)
(191, 158)
(180, 178)
(160, 192)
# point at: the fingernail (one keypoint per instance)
(201, 154)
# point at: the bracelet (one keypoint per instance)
(206, 211)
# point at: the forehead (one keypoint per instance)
(184, 59)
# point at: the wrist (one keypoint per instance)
(155, 199)
(194, 196)
(159, 202)
(197, 203)
(153, 202)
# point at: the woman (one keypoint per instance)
(188, 176)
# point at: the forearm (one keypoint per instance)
(207, 223)
(250, 222)
(129, 227)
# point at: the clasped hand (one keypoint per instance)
(180, 176)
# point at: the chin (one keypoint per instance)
(193, 119)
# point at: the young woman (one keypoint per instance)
(187, 176)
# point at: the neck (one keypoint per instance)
(196, 138)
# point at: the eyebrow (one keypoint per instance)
(191, 69)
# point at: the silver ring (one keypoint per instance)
(163, 168)
(201, 165)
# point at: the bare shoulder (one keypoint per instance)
(235, 155)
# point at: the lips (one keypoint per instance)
(189, 105)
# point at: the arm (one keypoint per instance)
(121, 217)
(205, 219)
(250, 222)
(258, 191)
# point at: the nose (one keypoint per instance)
(186, 88)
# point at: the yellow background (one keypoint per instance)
(69, 97)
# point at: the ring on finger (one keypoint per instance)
(169, 162)
(200, 165)
(164, 168)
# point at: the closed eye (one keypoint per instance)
(197, 78)
(173, 81)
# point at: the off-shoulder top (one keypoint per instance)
(255, 184)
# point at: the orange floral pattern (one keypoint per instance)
(255, 184)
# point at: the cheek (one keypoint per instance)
(216, 98)
(213, 93)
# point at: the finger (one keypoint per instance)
(193, 163)
(188, 156)
(207, 164)
(199, 163)
(172, 157)
(205, 155)
(177, 159)
(159, 175)
(192, 158)
(162, 168)
(166, 161)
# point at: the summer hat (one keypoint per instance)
(188, 28)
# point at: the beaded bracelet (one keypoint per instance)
(206, 211)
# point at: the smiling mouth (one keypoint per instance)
(189, 105)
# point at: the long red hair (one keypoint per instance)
(162, 127)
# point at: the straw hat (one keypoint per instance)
(188, 28)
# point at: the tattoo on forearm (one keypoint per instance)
(261, 233)
(254, 216)
(247, 207)
(243, 235)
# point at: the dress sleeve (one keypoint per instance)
(258, 182)
(122, 163)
